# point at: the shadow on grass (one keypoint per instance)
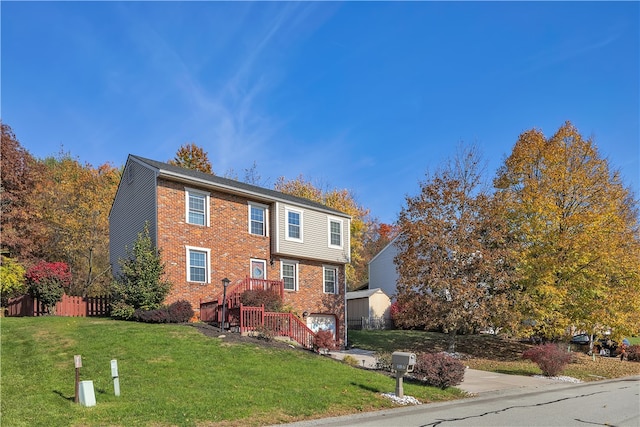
(366, 387)
(59, 393)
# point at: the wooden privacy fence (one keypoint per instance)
(69, 306)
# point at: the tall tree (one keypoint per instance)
(578, 225)
(22, 232)
(344, 201)
(74, 202)
(454, 253)
(191, 156)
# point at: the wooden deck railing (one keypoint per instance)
(280, 324)
(248, 319)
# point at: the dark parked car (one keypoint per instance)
(580, 339)
(602, 346)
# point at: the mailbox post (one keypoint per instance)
(402, 363)
(77, 361)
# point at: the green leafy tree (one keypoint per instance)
(454, 256)
(47, 282)
(140, 283)
(12, 280)
(578, 227)
(191, 156)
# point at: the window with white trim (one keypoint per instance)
(330, 278)
(257, 219)
(198, 265)
(197, 204)
(289, 274)
(294, 224)
(335, 233)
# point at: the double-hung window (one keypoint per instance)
(294, 224)
(198, 265)
(335, 233)
(197, 203)
(289, 274)
(257, 219)
(330, 278)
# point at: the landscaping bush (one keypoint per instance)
(633, 353)
(323, 341)
(180, 312)
(263, 332)
(438, 370)
(350, 360)
(383, 361)
(257, 297)
(158, 315)
(47, 281)
(121, 310)
(550, 358)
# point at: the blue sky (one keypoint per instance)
(364, 96)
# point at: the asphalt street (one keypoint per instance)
(520, 401)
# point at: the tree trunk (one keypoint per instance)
(451, 339)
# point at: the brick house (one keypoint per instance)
(209, 228)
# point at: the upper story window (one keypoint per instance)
(197, 203)
(335, 233)
(330, 277)
(257, 219)
(289, 274)
(198, 265)
(294, 224)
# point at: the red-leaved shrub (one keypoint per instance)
(633, 353)
(324, 341)
(180, 311)
(550, 358)
(257, 297)
(438, 370)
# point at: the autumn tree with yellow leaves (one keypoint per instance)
(192, 156)
(578, 227)
(73, 201)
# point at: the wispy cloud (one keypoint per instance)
(568, 50)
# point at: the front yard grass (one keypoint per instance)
(172, 375)
(490, 353)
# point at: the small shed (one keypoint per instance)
(368, 309)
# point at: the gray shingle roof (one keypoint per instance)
(233, 185)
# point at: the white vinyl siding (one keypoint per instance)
(289, 274)
(198, 265)
(330, 279)
(197, 207)
(315, 233)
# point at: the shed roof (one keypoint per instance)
(363, 294)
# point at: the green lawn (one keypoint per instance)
(173, 375)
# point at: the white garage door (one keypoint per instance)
(316, 322)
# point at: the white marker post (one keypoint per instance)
(114, 375)
(77, 361)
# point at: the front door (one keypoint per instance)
(258, 271)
